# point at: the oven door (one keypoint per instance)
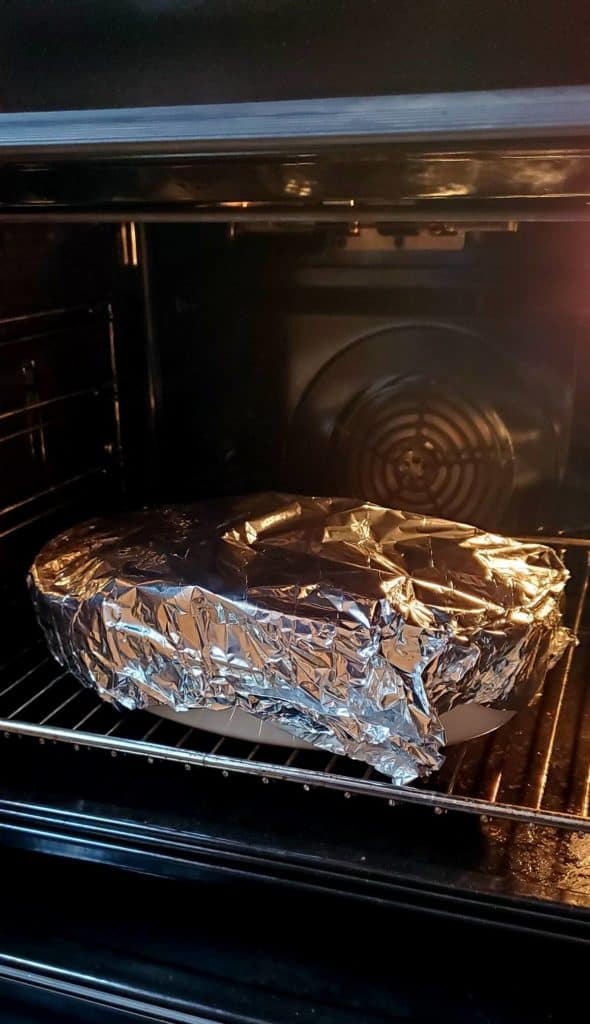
(91, 943)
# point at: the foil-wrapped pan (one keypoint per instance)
(351, 626)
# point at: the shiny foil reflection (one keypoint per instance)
(351, 626)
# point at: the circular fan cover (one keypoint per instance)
(427, 419)
(412, 442)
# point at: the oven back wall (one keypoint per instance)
(419, 371)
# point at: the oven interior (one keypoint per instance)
(441, 368)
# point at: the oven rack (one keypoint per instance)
(534, 770)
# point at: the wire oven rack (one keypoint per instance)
(535, 769)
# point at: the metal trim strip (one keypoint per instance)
(229, 127)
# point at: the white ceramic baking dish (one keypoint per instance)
(465, 722)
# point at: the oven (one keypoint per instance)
(438, 370)
(385, 297)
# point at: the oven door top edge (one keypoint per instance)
(508, 154)
(516, 115)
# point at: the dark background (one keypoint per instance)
(117, 53)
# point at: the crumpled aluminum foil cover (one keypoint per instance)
(351, 626)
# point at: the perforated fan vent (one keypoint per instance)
(413, 444)
(429, 418)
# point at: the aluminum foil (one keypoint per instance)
(351, 626)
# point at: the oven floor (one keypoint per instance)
(536, 769)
